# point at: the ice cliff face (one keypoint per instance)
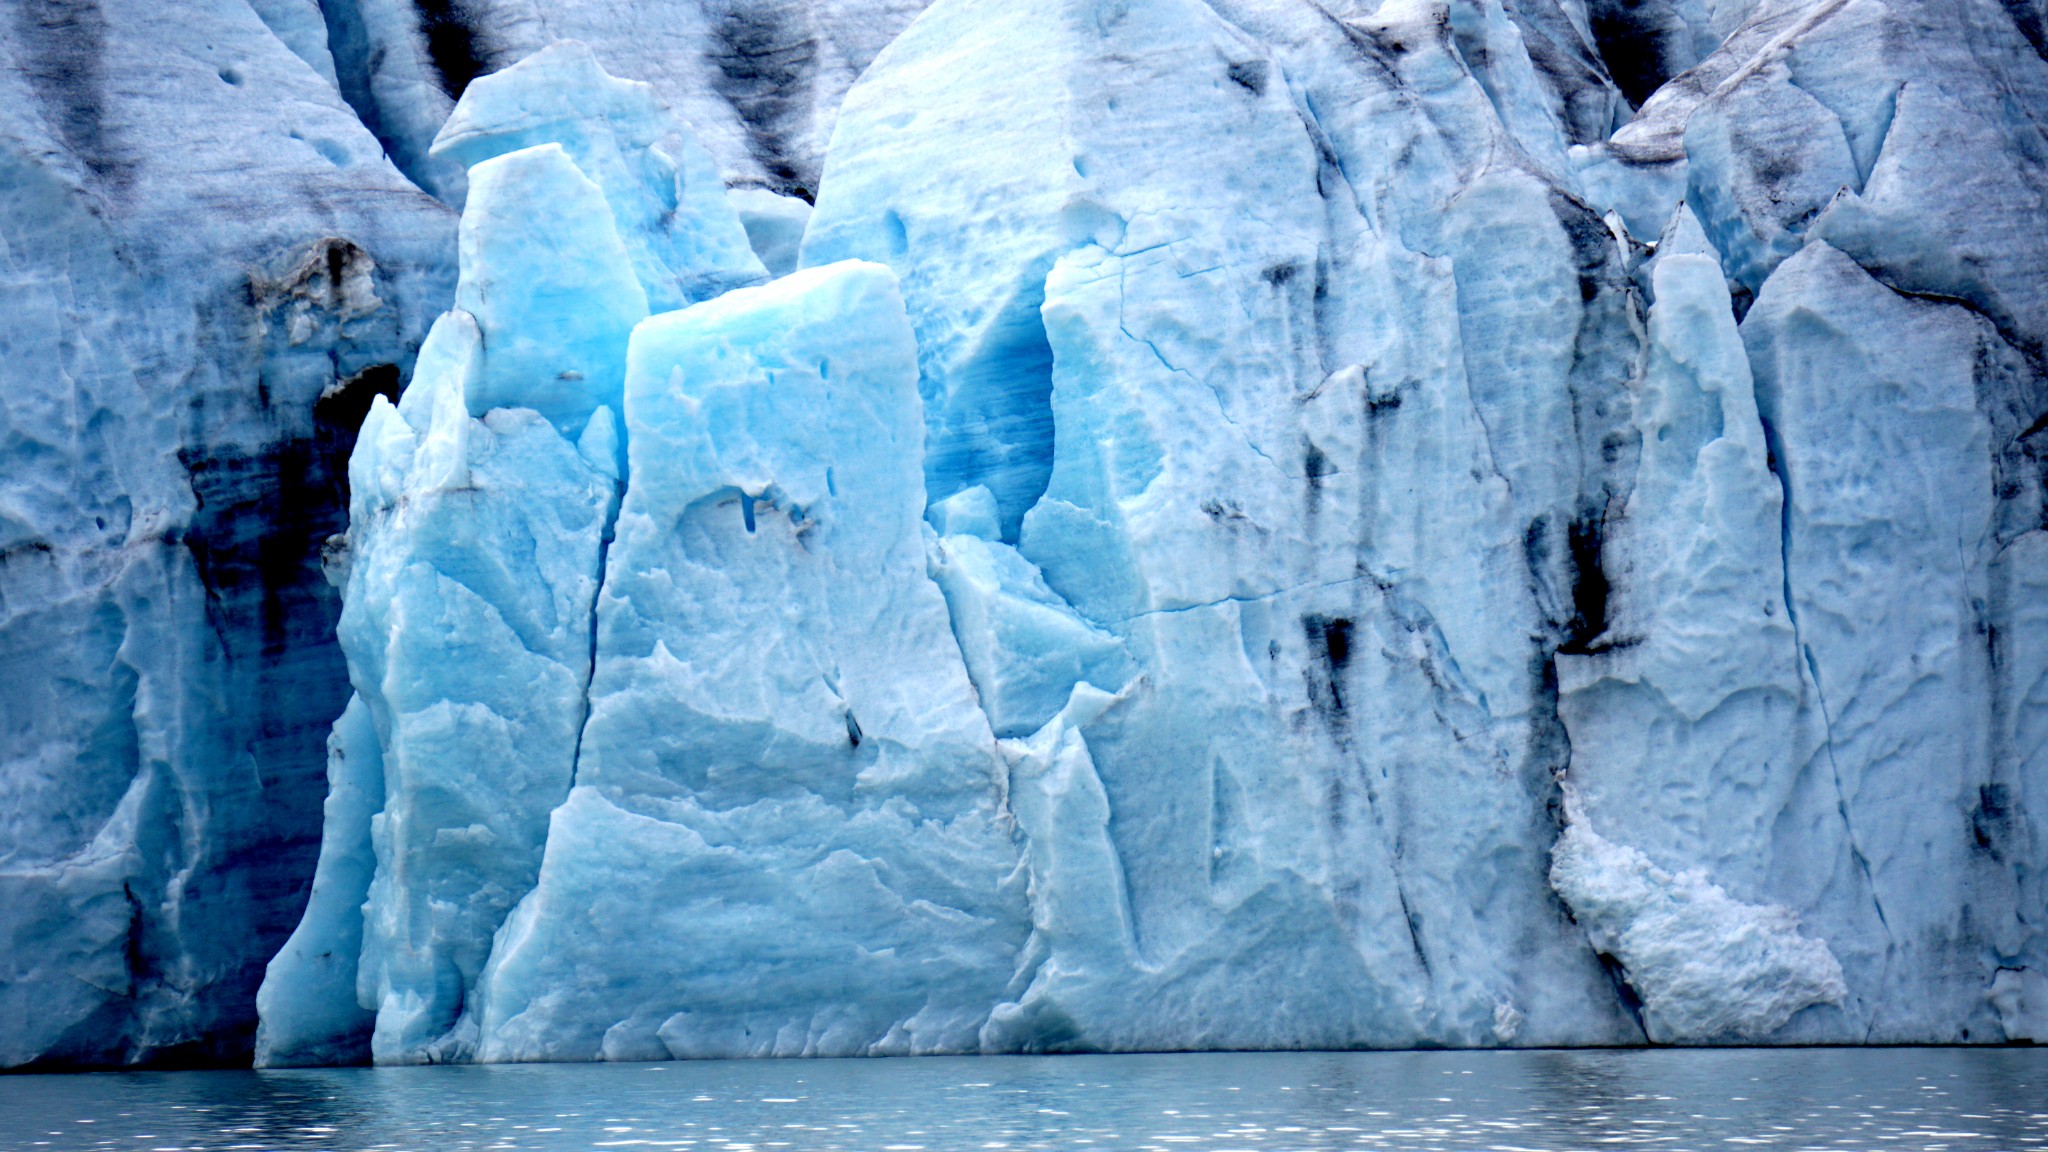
(758, 81)
(1234, 523)
(210, 269)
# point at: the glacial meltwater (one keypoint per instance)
(1730, 1099)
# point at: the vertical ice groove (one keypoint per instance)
(1903, 659)
(1813, 676)
(601, 446)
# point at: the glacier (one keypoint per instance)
(841, 527)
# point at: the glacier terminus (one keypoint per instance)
(644, 531)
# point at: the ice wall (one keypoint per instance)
(756, 82)
(1827, 710)
(209, 270)
(785, 776)
(1254, 523)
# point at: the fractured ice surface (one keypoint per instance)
(1909, 667)
(1025, 647)
(1207, 482)
(307, 1002)
(1807, 774)
(1257, 492)
(209, 269)
(474, 552)
(786, 797)
(757, 82)
(671, 211)
(1706, 966)
(774, 226)
(1233, 356)
(1700, 669)
(549, 289)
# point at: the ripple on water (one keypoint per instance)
(1800, 1100)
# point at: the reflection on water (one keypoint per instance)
(1729, 1100)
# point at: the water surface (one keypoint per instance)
(1738, 1100)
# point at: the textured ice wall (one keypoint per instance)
(1836, 711)
(1232, 354)
(481, 507)
(1317, 473)
(785, 777)
(209, 270)
(1380, 578)
(756, 82)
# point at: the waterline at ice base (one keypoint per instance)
(644, 531)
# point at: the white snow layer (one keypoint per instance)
(1218, 503)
